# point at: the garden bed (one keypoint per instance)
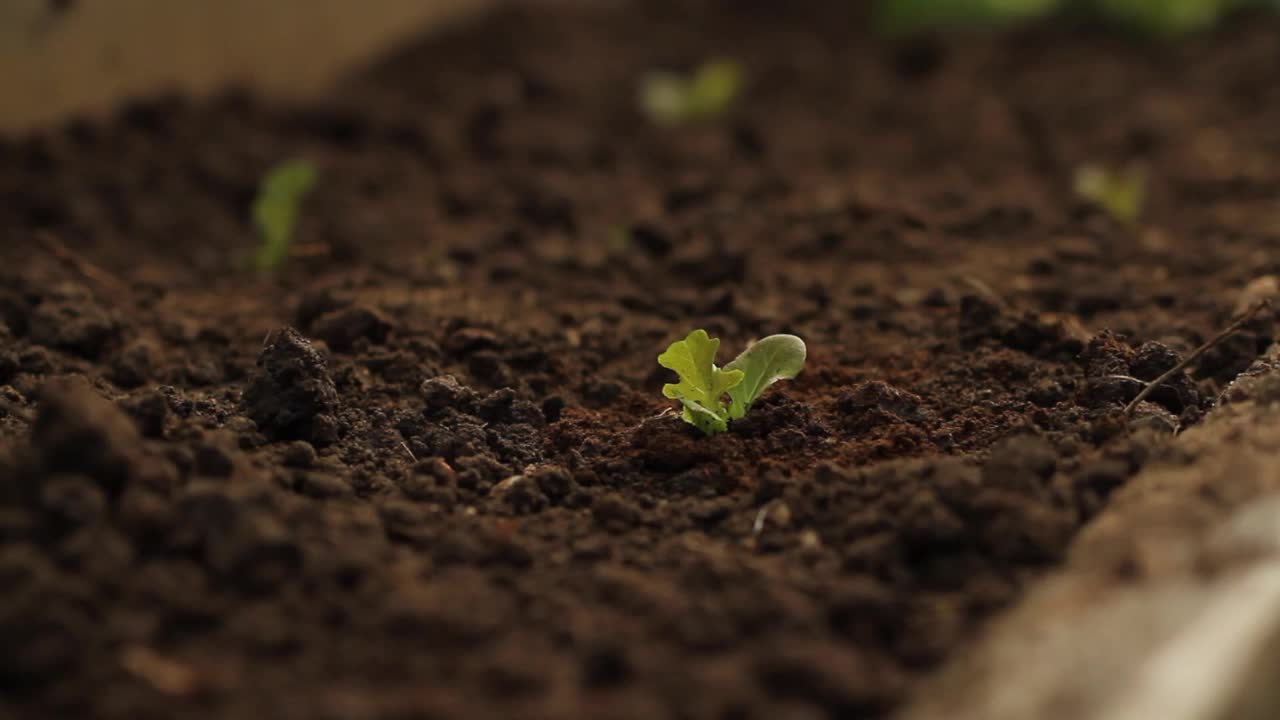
(454, 490)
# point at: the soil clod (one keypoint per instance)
(291, 395)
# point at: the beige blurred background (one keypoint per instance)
(62, 58)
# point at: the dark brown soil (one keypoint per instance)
(425, 472)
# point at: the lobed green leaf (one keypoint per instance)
(701, 382)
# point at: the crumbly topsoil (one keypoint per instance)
(425, 471)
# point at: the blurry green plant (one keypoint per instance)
(1120, 193)
(672, 98)
(276, 208)
(1167, 17)
(906, 16)
(1150, 17)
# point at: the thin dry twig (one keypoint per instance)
(81, 265)
(168, 676)
(758, 526)
(986, 291)
(1070, 323)
(1126, 378)
(310, 250)
(666, 412)
(1232, 329)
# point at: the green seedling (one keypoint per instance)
(671, 98)
(1165, 17)
(1155, 18)
(906, 16)
(711, 396)
(275, 210)
(1120, 193)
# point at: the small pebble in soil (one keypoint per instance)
(469, 340)
(299, 454)
(340, 329)
(444, 392)
(487, 367)
(552, 407)
(554, 481)
(432, 480)
(519, 494)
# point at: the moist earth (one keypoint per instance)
(426, 470)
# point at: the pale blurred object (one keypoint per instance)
(1122, 193)
(671, 98)
(60, 58)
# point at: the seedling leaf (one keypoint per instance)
(712, 396)
(1152, 18)
(1167, 17)
(908, 16)
(701, 382)
(777, 357)
(715, 86)
(1121, 193)
(672, 98)
(275, 210)
(703, 418)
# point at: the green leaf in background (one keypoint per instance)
(907, 16)
(275, 210)
(1149, 17)
(1163, 17)
(671, 98)
(1121, 193)
(777, 357)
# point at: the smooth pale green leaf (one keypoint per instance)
(671, 98)
(715, 86)
(1121, 193)
(702, 385)
(907, 16)
(664, 97)
(777, 357)
(1159, 18)
(275, 210)
(1164, 17)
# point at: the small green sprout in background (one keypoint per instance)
(1149, 17)
(1167, 17)
(671, 98)
(1121, 193)
(905, 16)
(712, 396)
(275, 210)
